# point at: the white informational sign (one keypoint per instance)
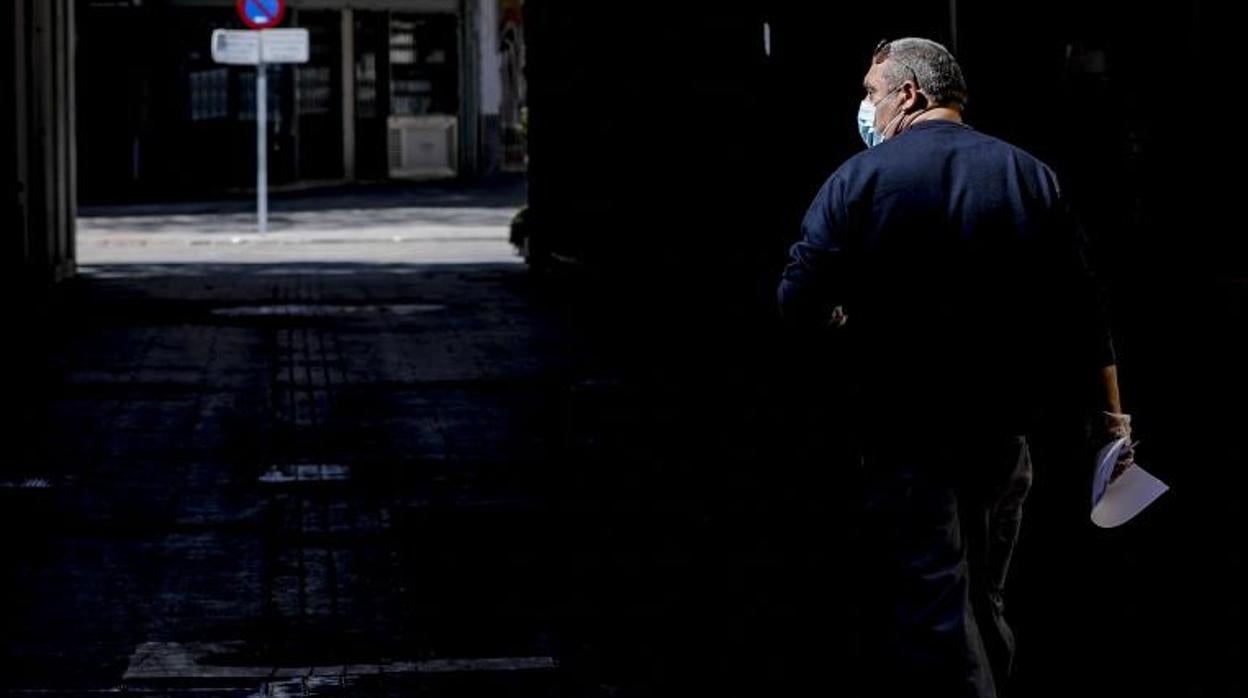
(236, 47)
(248, 47)
(284, 45)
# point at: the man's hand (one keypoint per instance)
(1118, 426)
(1117, 423)
(837, 318)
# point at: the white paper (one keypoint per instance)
(1117, 502)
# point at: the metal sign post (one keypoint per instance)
(260, 15)
(259, 48)
(262, 143)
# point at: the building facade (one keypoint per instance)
(393, 89)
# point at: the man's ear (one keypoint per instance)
(920, 99)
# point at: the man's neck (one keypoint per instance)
(936, 114)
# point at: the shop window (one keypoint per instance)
(210, 94)
(315, 90)
(366, 85)
(422, 54)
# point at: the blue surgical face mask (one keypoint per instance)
(866, 121)
(866, 124)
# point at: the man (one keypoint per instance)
(950, 262)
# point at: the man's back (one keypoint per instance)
(960, 270)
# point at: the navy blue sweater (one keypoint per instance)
(959, 265)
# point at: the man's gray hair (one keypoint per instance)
(927, 63)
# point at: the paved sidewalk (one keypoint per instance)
(330, 463)
(410, 235)
(383, 478)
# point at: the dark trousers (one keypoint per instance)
(940, 524)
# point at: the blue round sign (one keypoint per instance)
(261, 14)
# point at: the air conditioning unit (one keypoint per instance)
(423, 147)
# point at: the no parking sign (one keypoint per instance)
(261, 14)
